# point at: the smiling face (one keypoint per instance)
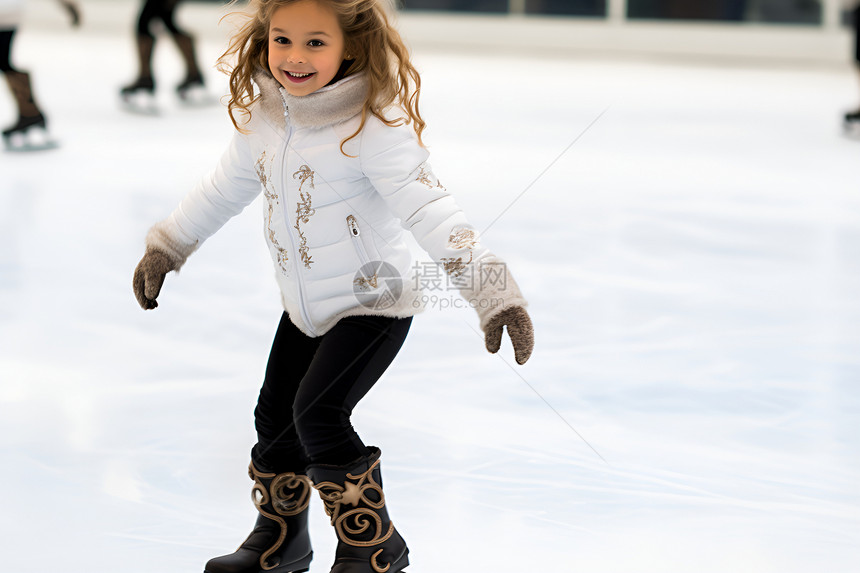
(306, 46)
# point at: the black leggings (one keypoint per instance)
(161, 9)
(6, 37)
(313, 384)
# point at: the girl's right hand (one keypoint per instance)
(149, 276)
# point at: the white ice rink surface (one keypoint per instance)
(693, 268)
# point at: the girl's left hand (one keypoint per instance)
(520, 330)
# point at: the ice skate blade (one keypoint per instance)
(851, 130)
(28, 147)
(135, 110)
(196, 96)
(34, 139)
(139, 104)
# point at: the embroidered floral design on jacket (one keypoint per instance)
(463, 238)
(366, 283)
(459, 239)
(424, 177)
(304, 211)
(272, 200)
(456, 267)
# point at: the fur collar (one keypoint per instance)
(327, 106)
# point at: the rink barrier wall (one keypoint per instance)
(521, 35)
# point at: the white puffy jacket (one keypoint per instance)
(327, 215)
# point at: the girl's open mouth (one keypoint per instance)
(298, 78)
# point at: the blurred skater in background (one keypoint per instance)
(19, 136)
(139, 94)
(853, 118)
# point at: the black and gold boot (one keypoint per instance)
(366, 539)
(280, 542)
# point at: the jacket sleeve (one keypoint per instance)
(224, 193)
(396, 164)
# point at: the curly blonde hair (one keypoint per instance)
(371, 40)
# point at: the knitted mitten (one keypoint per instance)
(164, 253)
(492, 291)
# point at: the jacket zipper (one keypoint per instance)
(300, 281)
(355, 233)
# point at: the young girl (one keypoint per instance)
(329, 131)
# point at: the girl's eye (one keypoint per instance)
(316, 43)
(281, 40)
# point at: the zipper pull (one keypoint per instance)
(284, 101)
(353, 226)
